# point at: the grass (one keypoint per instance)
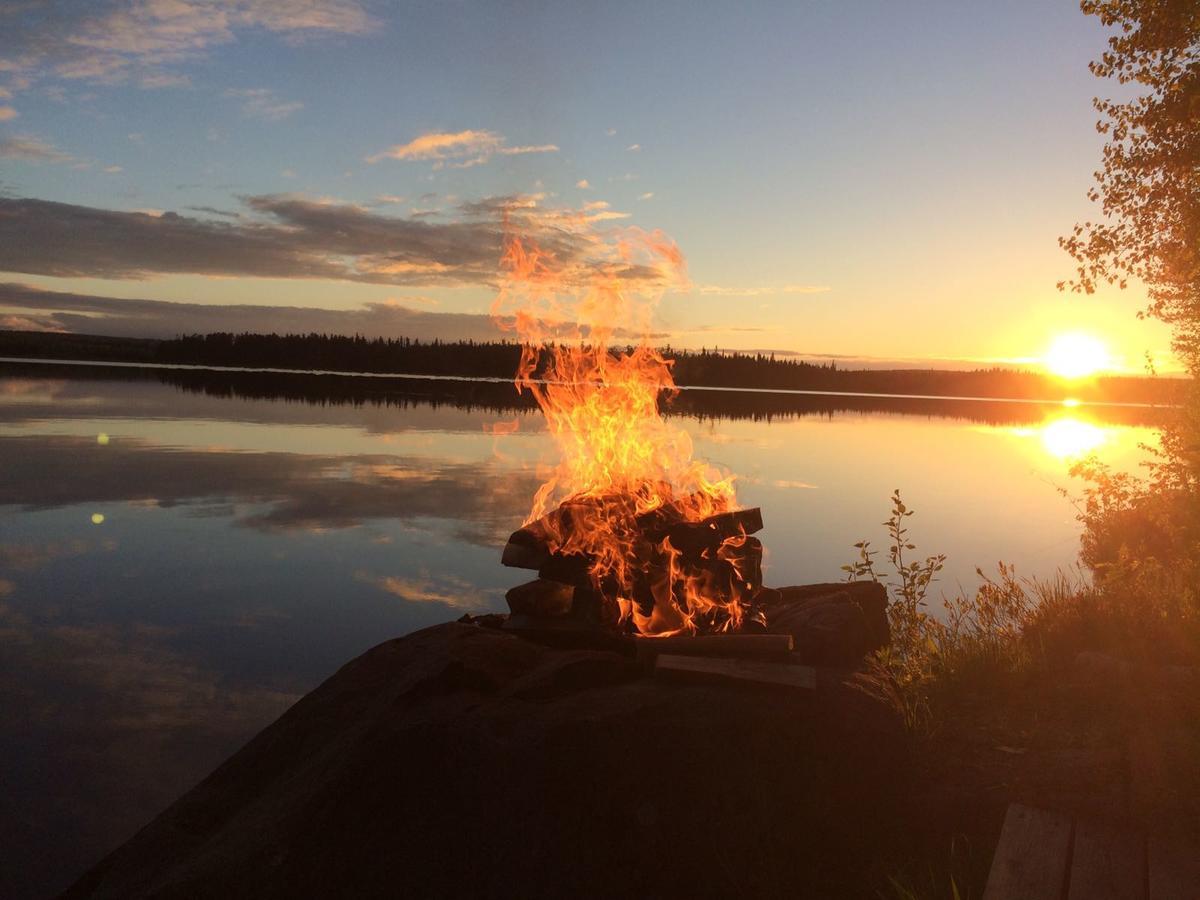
(1035, 691)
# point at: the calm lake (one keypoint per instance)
(182, 555)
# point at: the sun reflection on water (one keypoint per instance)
(1068, 437)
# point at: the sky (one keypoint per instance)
(867, 181)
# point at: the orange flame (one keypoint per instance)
(621, 465)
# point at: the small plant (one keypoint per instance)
(915, 634)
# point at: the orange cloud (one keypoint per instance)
(465, 148)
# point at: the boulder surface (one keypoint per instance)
(465, 761)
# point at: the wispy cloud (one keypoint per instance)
(458, 149)
(634, 147)
(262, 103)
(647, 196)
(32, 149)
(120, 39)
(155, 80)
(583, 184)
(7, 113)
(439, 145)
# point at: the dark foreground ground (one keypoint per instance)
(464, 761)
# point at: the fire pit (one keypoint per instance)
(708, 573)
(630, 535)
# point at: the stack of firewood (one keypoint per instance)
(663, 550)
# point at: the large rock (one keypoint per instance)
(464, 761)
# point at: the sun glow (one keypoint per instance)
(1077, 355)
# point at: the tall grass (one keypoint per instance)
(1140, 611)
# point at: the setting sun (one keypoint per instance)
(1077, 355)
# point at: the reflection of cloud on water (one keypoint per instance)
(30, 390)
(101, 726)
(457, 593)
(285, 491)
(26, 557)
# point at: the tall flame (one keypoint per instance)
(621, 463)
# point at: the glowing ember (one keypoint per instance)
(650, 529)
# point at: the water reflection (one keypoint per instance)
(1071, 438)
(251, 535)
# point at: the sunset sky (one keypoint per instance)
(873, 180)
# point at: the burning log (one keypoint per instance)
(669, 560)
(547, 599)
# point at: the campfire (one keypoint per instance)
(629, 532)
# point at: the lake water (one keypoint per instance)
(182, 555)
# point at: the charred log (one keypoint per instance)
(669, 557)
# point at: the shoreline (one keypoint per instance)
(1066, 402)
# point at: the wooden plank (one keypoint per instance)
(1032, 856)
(737, 670)
(730, 645)
(1107, 864)
(1174, 869)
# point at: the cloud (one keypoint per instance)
(647, 196)
(113, 40)
(32, 149)
(43, 310)
(285, 236)
(156, 80)
(634, 147)
(5, 93)
(214, 211)
(442, 145)
(459, 149)
(528, 148)
(582, 184)
(295, 236)
(7, 113)
(113, 170)
(262, 103)
(37, 309)
(611, 132)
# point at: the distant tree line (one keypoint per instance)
(498, 359)
(501, 400)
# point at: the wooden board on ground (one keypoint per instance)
(1031, 859)
(729, 645)
(1174, 869)
(1107, 864)
(745, 671)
